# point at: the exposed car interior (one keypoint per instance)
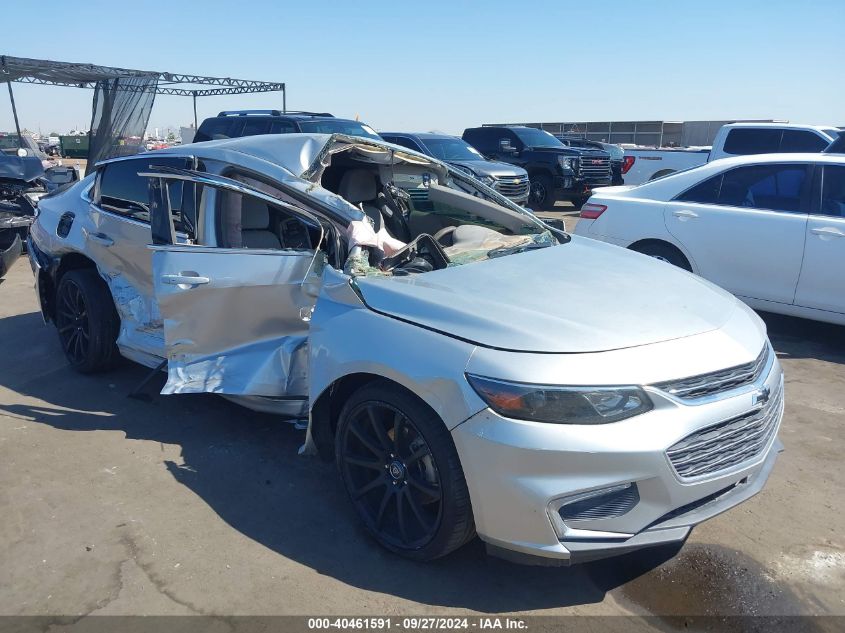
(431, 219)
(249, 222)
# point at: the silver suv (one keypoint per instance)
(470, 369)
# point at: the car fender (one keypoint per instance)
(348, 338)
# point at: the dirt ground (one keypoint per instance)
(190, 504)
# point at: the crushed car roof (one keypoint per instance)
(292, 159)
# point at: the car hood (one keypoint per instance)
(491, 168)
(563, 150)
(26, 168)
(584, 296)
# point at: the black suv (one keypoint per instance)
(237, 123)
(556, 172)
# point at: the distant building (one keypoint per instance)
(648, 133)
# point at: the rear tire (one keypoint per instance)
(87, 321)
(401, 470)
(542, 194)
(664, 252)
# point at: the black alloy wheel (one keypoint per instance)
(72, 322)
(541, 195)
(87, 321)
(391, 476)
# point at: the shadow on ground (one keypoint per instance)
(800, 338)
(245, 466)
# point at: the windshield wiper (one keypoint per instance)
(530, 246)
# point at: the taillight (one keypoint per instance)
(591, 211)
(627, 163)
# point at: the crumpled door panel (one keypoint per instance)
(244, 331)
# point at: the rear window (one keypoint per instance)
(744, 141)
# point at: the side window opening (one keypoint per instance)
(282, 127)
(123, 192)
(746, 141)
(249, 222)
(833, 191)
(255, 126)
(795, 141)
(773, 187)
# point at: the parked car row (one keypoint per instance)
(526, 165)
(459, 381)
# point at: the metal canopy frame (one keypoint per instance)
(77, 75)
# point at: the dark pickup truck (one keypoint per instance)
(557, 172)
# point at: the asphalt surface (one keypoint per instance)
(190, 504)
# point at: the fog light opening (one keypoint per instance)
(568, 513)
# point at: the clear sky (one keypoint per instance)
(448, 65)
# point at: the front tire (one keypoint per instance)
(401, 470)
(542, 194)
(87, 321)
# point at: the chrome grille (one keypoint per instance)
(512, 187)
(717, 382)
(595, 168)
(727, 444)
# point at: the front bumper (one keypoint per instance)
(518, 471)
(575, 187)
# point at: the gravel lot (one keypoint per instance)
(190, 504)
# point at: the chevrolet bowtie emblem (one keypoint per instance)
(761, 396)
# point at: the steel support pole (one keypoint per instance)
(15, 114)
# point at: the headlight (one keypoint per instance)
(487, 180)
(559, 404)
(565, 162)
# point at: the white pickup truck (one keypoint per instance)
(735, 139)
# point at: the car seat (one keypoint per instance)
(359, 187)
(255, 225)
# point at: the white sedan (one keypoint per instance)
(768, 228)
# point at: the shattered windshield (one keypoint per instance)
(417, 214)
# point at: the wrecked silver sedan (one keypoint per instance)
(470, 368)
